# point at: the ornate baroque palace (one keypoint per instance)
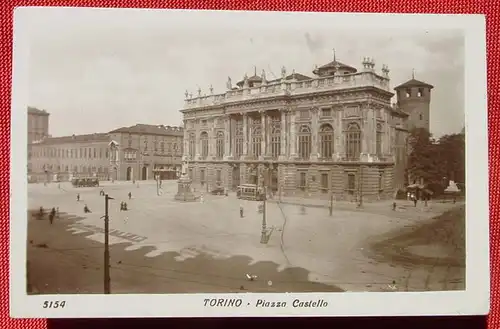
(335, 133)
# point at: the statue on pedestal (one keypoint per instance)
(184, 192)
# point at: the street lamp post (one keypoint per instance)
(264, 238)
(107, 279)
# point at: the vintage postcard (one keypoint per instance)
(215, 163)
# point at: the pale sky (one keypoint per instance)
(97, 70)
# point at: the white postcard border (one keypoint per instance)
(474, 300)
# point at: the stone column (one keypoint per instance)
(365, 136)
(197, 142)
(185, 150)
(263, 146)
(387, 135)
(227, 136)
(339, 134)
(245, 134)
(293, 138)
(283, 135)
(314, 134)
(232, 135)
(211, 139)
(373, 130)
(269, 122)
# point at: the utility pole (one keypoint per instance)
(107, 279)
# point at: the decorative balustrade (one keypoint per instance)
(290, 87)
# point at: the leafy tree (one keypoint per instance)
(424, 158)
(435, 162)
(452, 155)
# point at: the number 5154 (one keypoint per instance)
(54, 304)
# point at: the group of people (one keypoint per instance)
(54, 212)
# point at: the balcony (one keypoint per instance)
(361, 79)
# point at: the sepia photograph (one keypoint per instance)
(205, 163)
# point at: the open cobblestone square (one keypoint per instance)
(333, 250)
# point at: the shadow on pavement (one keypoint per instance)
(72, 264)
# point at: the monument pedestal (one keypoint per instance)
(184, 192)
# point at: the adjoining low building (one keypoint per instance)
(152, 151)
(62, 158)
(143, 152)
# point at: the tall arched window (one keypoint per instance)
(256, 141)
(326, 141)
(275, 136)
(304, 139)
(353, 141)
(204, 144)
(219, 145)
(238, 140)
(192, 145)
(378, 139)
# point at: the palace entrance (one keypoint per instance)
(236, 176)
(273, 184)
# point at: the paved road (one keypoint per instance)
(329, 248)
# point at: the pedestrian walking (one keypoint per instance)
(129, 195)
(394, 206)
(123, 206)
(241, 211)
(41, 213)
(415, 200)
(52, 215)
(86, 209)
(78, 197)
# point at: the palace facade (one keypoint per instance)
(334, 133)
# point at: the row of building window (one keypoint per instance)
(81, 153)
(132, 156)
(302, 183)
(159, 146)
(304, 139)
(325, 179)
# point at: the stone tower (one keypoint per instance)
(414, 98)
